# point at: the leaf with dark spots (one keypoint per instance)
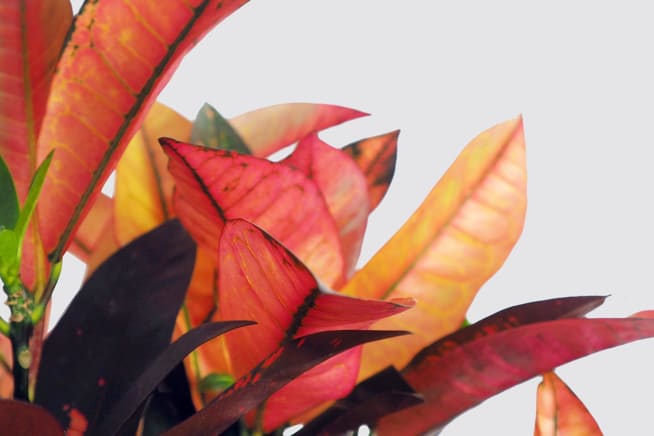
(137, 392)
(528, 313)
(212, 130)
(260, 279)
(19, 418)
(278, 369)
(384, 393)
(376, 157)
(118, 323)
(212, 186)
(454, 380)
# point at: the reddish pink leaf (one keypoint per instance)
(31, 36)
(459, 377)
(344, 188)
(269, 129)
(94, 226)
(216, 185)
(560, 413)
(260, 280)
(376, 157)
(117, 59)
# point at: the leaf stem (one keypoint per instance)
(20, 333)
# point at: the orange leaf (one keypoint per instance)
(272, 128)
(559, 412)
(376, 157)
(344, 188)
(213, 186)
(144, 188)
(119, 56)
(90, 232)
(260, 280)
(455, 241)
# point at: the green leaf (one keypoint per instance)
(8, 253)
(32, 195)
(213, 131)
(9, 206)
(215, 383)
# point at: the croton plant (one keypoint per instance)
(223, 293)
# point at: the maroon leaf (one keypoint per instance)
(455, 378)
(281, 367)
(163, 364)
(19, 418)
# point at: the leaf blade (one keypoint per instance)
(457, 238)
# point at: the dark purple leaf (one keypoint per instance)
(120, 320)
(283, 366)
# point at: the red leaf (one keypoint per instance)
(269, 129)
(344, 188)
(278, 369)
(376, 157)
(460, 377)
(18, 418)
(216, 185)
(260, 280)
(118, 57)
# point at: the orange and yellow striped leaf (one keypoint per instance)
(452, 244)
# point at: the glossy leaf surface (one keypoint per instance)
(8, 198)
(272, 128)
(136, 393)
(213, 186)
(19, 418)
(134, 296)
(31, 36)
(451, 381)
(560, 413)
(452, 244)
(260, 280)
(376, 157)
(276, 370)
(116, 61)
(344, 188)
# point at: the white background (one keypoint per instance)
(579, 72)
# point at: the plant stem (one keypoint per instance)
(20, 334)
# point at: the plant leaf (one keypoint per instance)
(382, 394)
(8, 198)
(33, 33)
(259, 279)
(344, 188)
(376, 157)
(454, 242)
(137, 392)
(451, 380)
(93, 227)
(117, 59)
(216, 185)
(212, 130)
(135, 295)
(276, 370)
(33, 195)
(144, 188)
(560, 412)
(272, 128)
(20, 418)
